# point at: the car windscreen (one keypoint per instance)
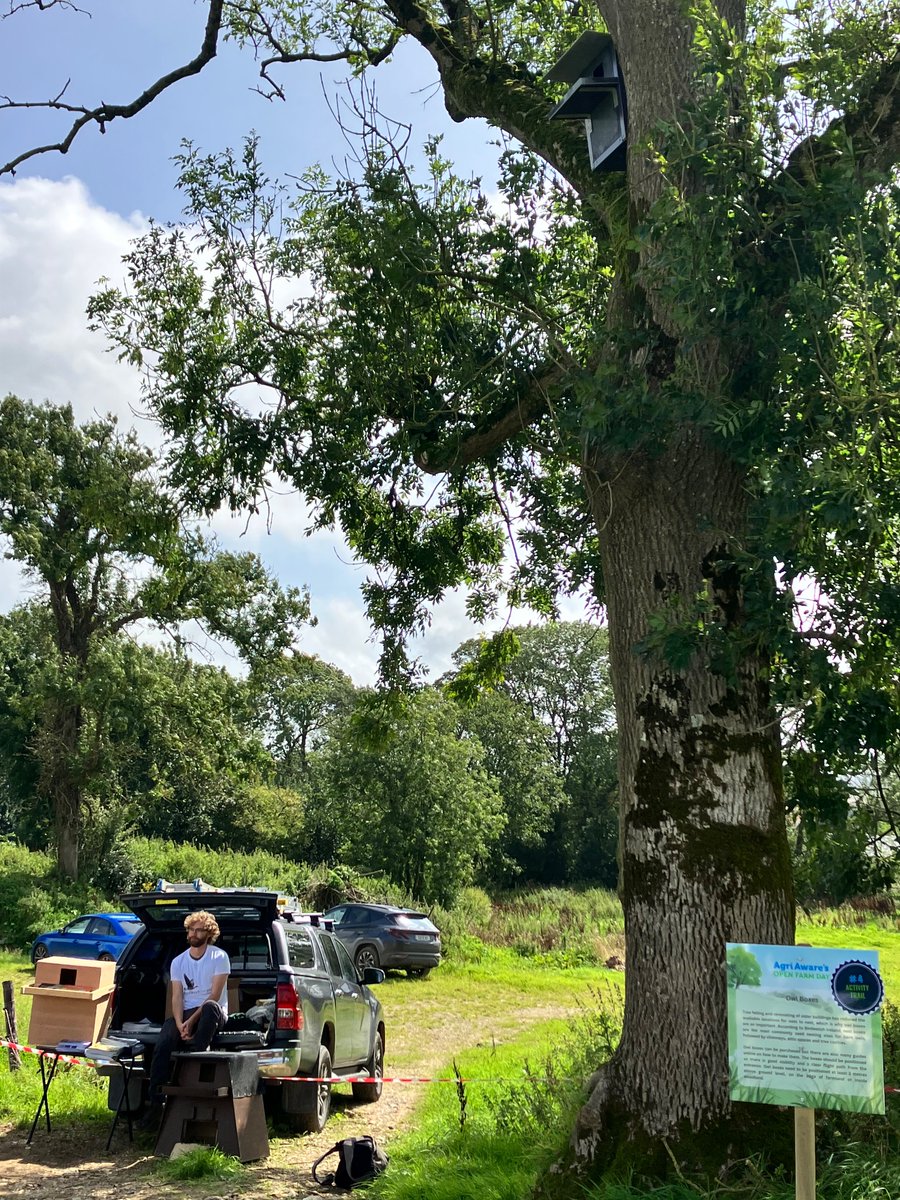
(414, 921)
(131, 927)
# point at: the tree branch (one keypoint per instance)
(871, 128)
(527, 409)
(508, 97)
(104, 113)
(43, 5)
(262, 31)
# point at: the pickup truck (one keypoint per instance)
(296, 1001)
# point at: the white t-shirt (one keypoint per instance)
(196, 976)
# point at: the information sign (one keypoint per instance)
(804, 1027)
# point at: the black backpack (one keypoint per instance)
(359, 1159)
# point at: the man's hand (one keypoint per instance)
(186, 1028)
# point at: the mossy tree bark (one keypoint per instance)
(704, 853)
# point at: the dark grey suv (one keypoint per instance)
(380, 935)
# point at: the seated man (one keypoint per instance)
(199, 1004)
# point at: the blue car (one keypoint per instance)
(96, 935)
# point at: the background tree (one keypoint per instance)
(665, 380)
(558, 680)
(417, 804)
(294, 698)
(518, 760)
(845, 825)
(81, 510)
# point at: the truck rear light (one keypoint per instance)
(288, 1013)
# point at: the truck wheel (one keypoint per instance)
(314, 1122)
(368, 1093)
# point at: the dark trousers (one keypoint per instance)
(211, 1020)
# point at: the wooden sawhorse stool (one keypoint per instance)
(214, 1098)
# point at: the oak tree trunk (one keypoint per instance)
(704, 854)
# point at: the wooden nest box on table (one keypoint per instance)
(70, 1000)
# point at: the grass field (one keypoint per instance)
(536, 950)
(512, 1133)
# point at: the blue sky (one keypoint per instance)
(65, 221)
(126, 44)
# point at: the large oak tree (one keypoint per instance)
(676, 383)
(85, 515)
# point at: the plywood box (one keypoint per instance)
(85, 974)
(71, 1000)
(64, 1015)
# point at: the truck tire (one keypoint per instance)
(368, 1093)
(314, 1122)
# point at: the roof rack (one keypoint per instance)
(315, 919)
(285, 903)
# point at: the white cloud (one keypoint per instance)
(55, 244)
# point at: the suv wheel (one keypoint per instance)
(314, 1122)
(366, 956)
(368, 1093)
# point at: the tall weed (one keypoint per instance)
(552, 1088)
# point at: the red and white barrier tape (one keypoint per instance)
(89, 1062)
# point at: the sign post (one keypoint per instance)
(805, 1153)
(804, 1029)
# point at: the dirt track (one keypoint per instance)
(70, 1163)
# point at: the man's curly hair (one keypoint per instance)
(206, 921)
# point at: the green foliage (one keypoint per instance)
(551, 708)
(172, 752)
(293, 698)
(419, 806)
(845, 840)
(517, 756)
(33, 899)
(83, 511)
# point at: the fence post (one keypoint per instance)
(12, 1032)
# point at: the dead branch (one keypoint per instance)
(104, 113)
(43, 5)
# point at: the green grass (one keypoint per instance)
(513, 1132)
(445, 1160)
(873, 935)
(78, 1092)
(203, 1163)
(521, 1099)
